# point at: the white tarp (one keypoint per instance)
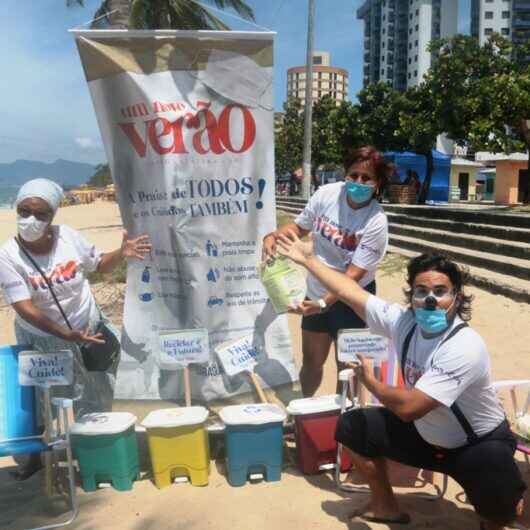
(187, 124)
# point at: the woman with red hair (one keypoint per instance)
(350, 234)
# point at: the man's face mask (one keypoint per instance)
(237, 78)
(430, 317)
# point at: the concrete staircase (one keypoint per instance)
(495, 246)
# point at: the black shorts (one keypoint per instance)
(338, 316)
(486, 470)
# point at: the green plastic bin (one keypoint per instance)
(106, 450)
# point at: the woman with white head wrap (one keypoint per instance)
(65, 257)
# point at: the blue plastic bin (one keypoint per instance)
(17, 403)
(254, 442)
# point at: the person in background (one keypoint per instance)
(350, 231)
(413, 181)
(448, 417)
(65, 257)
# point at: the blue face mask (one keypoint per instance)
(431, 320)
(359, 193)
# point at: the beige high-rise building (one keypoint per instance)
(327, 80)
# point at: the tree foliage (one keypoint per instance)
(166, 14)
(289, 138)
(101, 176)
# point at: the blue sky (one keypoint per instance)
(46, 111)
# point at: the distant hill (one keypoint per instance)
(64, 172)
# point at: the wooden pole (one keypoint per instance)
(364, 395)
(187, 386)
(258, 388)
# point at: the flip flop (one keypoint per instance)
(370, 517)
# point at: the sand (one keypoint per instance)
(296, 501)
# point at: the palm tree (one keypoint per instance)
(165, 14)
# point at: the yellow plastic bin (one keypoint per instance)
(178, 445)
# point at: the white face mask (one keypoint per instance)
(237, 78)
(30, 228)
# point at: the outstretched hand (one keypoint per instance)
(291, 246)
(137, 247)
(85, 336)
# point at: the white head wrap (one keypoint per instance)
(44, 189)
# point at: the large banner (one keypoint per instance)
(187, 123)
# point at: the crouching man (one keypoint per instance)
(447, 418)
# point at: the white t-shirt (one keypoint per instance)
(342, 235)
(457, 371)
(71, 257)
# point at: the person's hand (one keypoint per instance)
(135, 248)
(305, 308)
(364, 370)
(291, 246)
(85, 336)
(269, 246)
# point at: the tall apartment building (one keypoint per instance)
(510, 18)
(396, 35)
(327, 80)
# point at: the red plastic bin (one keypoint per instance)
(315, 421)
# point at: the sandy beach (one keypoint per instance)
(297, 501)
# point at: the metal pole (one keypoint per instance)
(308, 116)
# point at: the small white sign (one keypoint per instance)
(238, 355)
(350, 342)
(45, 369)
(183, 347)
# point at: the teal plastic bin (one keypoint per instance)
(254, 442)
(106, 449)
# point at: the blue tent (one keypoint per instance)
(439, 190)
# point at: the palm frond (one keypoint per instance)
(240, 7)
(187, 14)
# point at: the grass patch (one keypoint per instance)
(118, 275)
(283, 218)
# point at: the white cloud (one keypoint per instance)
(85, 142)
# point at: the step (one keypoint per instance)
(298, 204)
(493, 262)
(513, 288)
(456, 227)
(486, 215)
(513, 249)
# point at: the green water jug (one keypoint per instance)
(284, 283)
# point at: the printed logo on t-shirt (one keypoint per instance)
(60, 274)
(412, 372)
(334, 233)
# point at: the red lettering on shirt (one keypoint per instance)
(339, 237)
(59, 274)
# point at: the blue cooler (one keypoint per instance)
(254, 441)
(17, 403)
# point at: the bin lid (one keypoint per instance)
(252, 414)
(176, 417)
(315, 405)
(103, 423)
